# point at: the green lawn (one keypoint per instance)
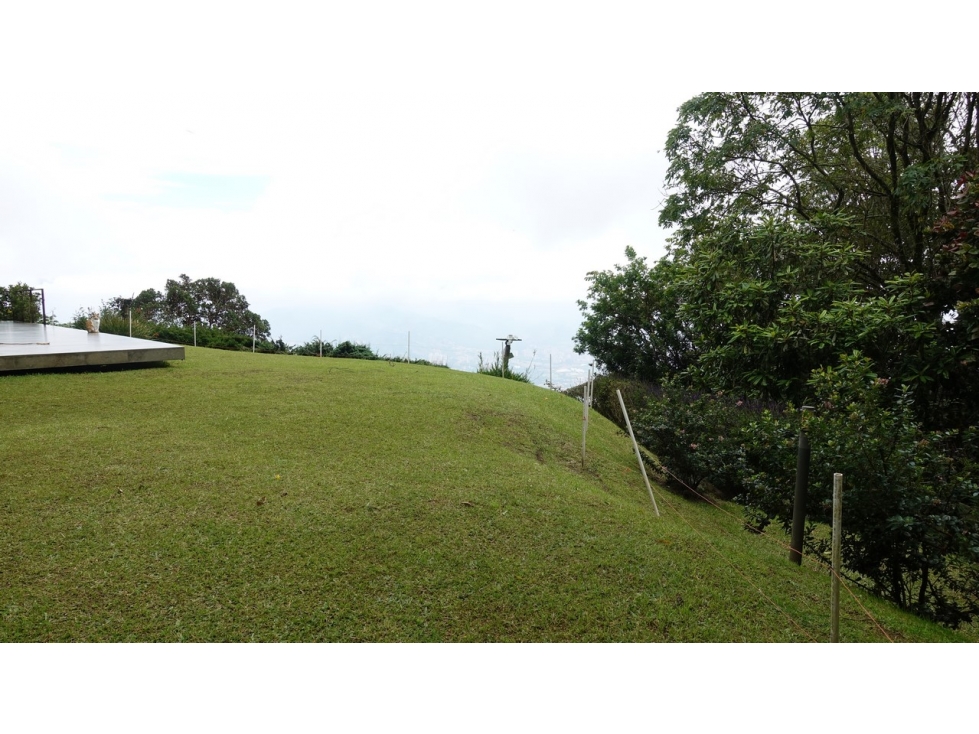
(260, 497)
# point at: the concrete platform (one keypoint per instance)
(38, 347)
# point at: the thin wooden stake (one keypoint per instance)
(837, 542)
(642, 467)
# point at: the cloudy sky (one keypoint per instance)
(451, 169)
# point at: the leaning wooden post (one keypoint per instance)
(837, 542)
(642, 467)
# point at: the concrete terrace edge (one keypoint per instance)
(56, 347)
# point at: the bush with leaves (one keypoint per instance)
(698, 437)
(313, 348)
(352, 350)
(910, 528)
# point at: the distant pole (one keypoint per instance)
(642, 467)
(130, 322)
(253, 339)
(195, 333)
(584, 422)
(837, 542)
(801, 492)
(321, 342)
(591, 383)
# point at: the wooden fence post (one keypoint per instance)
(837, 543)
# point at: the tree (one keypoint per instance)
(809, 227)
(18, 302)
(148, 305)
(209, 302)
(632, 323)
(885, 162)
(800, 217)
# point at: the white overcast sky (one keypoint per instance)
(368, 169)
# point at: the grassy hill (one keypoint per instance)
(260, 497)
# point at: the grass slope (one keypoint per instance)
(259, 497)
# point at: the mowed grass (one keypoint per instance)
(239, 497)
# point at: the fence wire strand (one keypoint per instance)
(784, 546)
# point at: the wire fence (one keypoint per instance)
(761, 532)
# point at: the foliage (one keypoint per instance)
(495, 368)
(885, 162)
(958, 231)
(698, 437)
(423, 362)
(115, 322)
(635, 393)
(147, 306)
(209, 302)
(19, 303)
(910, 528)
(632, 324)
(770, 303)
(353, 350)
(809, 227)
(313, 348)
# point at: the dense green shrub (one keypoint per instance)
(215, 339)
(698, 437)
(313, 348)
(911, 498)
(352, 350)
(635, 393)
(909, 525)
(113, 322)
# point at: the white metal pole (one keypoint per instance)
(195, 333)
(584, 423)
(130, 322)
(253, 339)
(642, 467)
(837, 543)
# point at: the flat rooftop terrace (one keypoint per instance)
(39, 347)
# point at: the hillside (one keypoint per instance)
(259, 497)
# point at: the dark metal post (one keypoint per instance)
(801, 493)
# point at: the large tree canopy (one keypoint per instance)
(884, 163)
(807, 226)
(209, 302)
